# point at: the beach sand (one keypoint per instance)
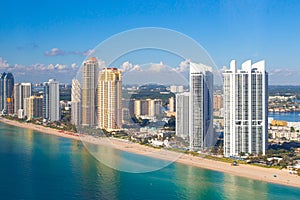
(248, 171)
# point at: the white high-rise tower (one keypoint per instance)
(245, 107)
(51, 111)
(182, 115)
(76, 102)
(200, 106)
(21, 91)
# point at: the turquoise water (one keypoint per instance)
(40, 166)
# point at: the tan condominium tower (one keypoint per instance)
(89, 85)
(109, 99)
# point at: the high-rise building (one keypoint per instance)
(127, 110)
(201, 106)
(33, 107)
(21, 91)
(137, 107)
(218, 102)
(109, 99)
(75, 103)
(171, 104)
(6, 93)
(245, 108)
(90, 71)
(51, 110)
(147, 107)
(182, 115)
(155, 107)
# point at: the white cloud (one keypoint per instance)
(136, 68)
(74, 66)
(55, 52)
(88, 52)
(3, 63)
(126, 66)
(184, 66)
(158, 67)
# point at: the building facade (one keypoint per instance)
(33, 107)
(201, 106)
(51, 109)
(6, 93)
(218, 102)
(182, 115)
(90, 70)
(109, 99)
(245, 109)
(21, 91)
(147, 107)
(75, 103)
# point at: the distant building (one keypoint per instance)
(175, 88)
(201, 106)
(6, 93)
(109, 99)
(182, 115)
(33, 107)
(90, 71)
(51, 110)
(218, 102)
(155, 107)
(245, 107)
(137, 107)
(171, 104)
(75, 103)
(127, 110)
(147, 107)
(21, 91)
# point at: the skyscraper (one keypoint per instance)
(51, 111)
(109, 99)
(33, 107)
(172, 104)
(182, 115)
(245, 107)
(6, 93)
(89, 85)
(201, 106)
(21, 91)
(76, 102)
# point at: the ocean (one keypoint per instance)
(289, 116)
(41, 166)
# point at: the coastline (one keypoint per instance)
(248, 171)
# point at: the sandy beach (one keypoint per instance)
(248, 171)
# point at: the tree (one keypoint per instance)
(241, 154)
(292, 129)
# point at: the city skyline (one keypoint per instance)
(43, 50)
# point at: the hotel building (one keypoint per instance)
(6, 93)
(200, 107)
(182, 115)
(51, 111)
(21, 91)
(245, 109)
(109, 99)
(75, 103)
(90, 70)
(33, 107)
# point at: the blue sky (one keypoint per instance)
(55, 35)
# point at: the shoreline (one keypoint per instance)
(247, 171)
